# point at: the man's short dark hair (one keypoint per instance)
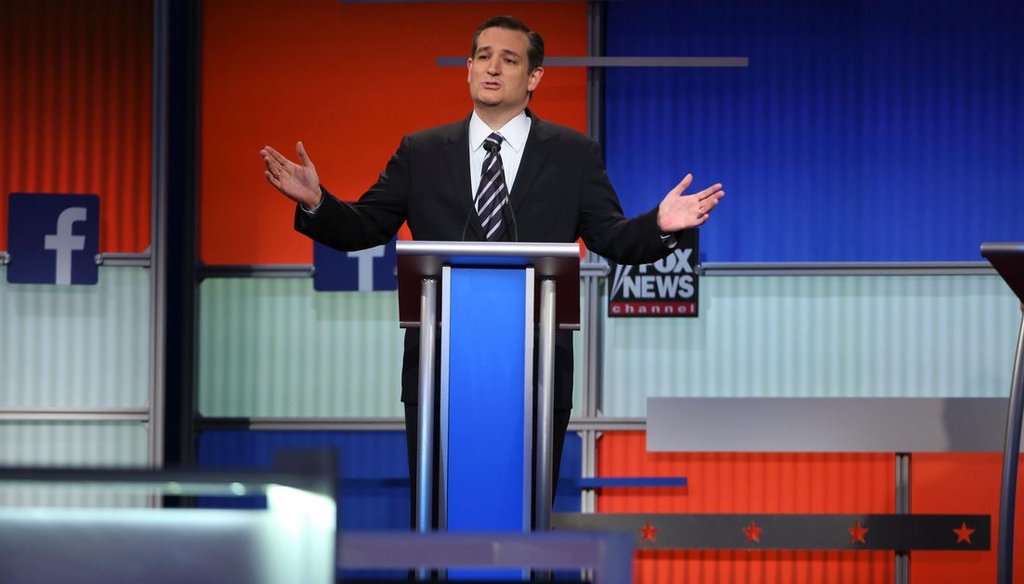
(534, 54)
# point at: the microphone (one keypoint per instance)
(508, 213)
(465, 225)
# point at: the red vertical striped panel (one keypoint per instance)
(76, 109)
(962, 483)
(349, 80)
(751, 483)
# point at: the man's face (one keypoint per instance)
(499, 75)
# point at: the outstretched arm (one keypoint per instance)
(298, 182)
(372, 220)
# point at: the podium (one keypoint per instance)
(484, 310)
(1008, 260)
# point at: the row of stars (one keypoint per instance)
(752, 533)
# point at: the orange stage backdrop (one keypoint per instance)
(962, 483)
(349, 80)
(750, 483)
(76, 109)
(805, 483)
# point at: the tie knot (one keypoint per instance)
(492, 143)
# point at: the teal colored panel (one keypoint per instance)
(819, 336)
(273, 347)
(72, 444)
(76, 346)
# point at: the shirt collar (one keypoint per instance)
(514, 132)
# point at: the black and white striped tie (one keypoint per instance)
(492, 195)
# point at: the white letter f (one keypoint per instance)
(64, 241)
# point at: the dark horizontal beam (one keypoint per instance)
(255, 271)
(623, 62)
(789, 531)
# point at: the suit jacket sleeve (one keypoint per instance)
(603, 226)
(372, 220)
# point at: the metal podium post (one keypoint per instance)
(425, 439)
(1011, 456)
(545, 405)
(1008, 260)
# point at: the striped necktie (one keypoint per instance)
(492, 194)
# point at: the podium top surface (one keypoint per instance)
(1008, 259)
(547, 258)
(426, 259)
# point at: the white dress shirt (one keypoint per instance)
(513, 133)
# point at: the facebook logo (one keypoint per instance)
(363, 270)
(53, 239)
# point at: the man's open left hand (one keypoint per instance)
(678, 211)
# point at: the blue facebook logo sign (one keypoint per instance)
(363, 270)
(53, 239)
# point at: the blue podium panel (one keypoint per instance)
(486, 442)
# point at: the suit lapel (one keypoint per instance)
(534, 155)
(457, 156)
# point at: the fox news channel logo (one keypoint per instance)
(53, 239)
(666, 288)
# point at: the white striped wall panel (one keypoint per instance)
(76, 346)
(820, 336)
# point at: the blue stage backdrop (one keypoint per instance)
(861, 131)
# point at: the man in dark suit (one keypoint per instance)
(500, 174)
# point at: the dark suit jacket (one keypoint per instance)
(561, 193)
